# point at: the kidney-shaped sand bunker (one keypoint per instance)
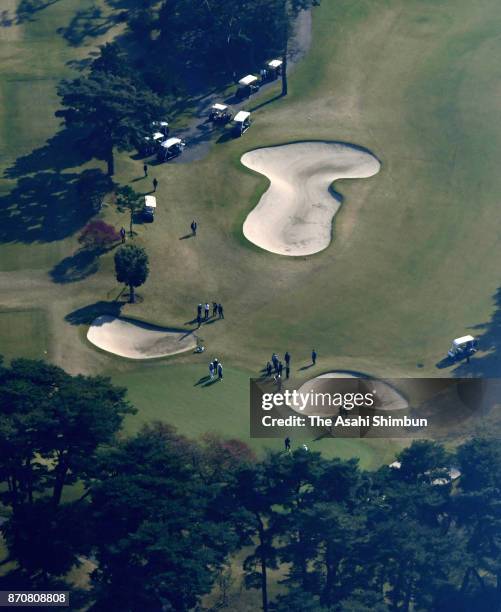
(294, 216)
(137, 340)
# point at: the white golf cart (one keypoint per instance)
(463, 347)
(150, 207)
(220, 114)
(241, 123)
(247, 86)
(161, 126)
(170, 148)
(273, 70)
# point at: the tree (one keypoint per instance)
(158, 546)
(287, 12)
(131, 267)
(111, 110)
(51, 426)
(130, 200)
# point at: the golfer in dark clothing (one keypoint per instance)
(313, 356)
(145, 168)
(207, 310)
(155, 184)
(280, 368)
(215, 362)
(199, 310)
(220, 311)
(220, 372)
(194, 227)
(287, 371)
(268, 369)
(214, 309)
(122, 234)
(287, 443)
(199, 320)
(287, 358)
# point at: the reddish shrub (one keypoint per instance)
(98, 234)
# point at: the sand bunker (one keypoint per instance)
(294, 216)
(388, 398)
(137, 340)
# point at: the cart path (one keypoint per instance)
(201, 134)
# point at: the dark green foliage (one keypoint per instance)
(131, 267)
(51, 425)
(158, 546)
(130, 201)
(111, 110)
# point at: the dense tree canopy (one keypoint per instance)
(131, 267)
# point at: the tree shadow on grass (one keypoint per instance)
(43, 207)
(87, 314)
(28, 8)
(89, 22)
(76, 267)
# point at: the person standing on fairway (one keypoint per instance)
(199, 310)
(145, 168)
(214, 309)
(313, 356)
(211, 370)
(280, 368)
(155, 184)
(287, 371)
(287, 358)
(220, 311)
(194, 227)
(220, 371)
(199, 320)
(122, 234)
(215, 363)
(287, 443)
(207, 310)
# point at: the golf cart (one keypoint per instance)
(157, 139)
(247, 86)
(161, 126)
(219, 114)
(150, 206)
(170, 148)
(462, 347)
(241, 123)
(272, 70)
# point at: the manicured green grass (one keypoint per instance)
(414, 261)
(24, 333)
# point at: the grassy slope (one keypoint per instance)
(413, 263)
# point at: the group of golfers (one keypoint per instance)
(203, 312)
(276, 367)
(216, 369)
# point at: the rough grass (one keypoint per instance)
(414, 260)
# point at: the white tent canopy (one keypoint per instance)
(247, 80)
(241, 116)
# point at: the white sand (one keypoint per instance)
(389, 399)
(137, 340)
(294, 216)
